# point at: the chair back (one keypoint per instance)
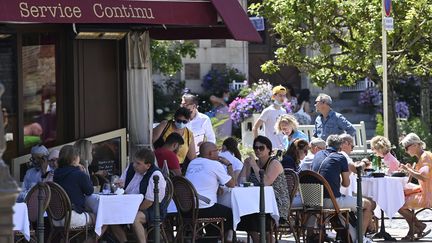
(185, 197)
(32, 200)
(169, 192)
(60, 206)
(292, 180)
(312, 187)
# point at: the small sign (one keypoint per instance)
(258, 23)
(388, 23)
(387, 7)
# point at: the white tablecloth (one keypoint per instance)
(114, 209)
(245, 200)
(387, 192)
(20, 219)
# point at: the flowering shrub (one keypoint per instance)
(215, 81)
(253, 100)
(402, 110)
(370, 97)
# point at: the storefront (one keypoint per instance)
(65, 65)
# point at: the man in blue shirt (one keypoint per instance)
(330, 122)
(333, 166)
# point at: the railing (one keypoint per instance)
(361, 85)
(237, 85)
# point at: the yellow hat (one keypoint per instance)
(278, 89)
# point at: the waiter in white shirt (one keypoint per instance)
(200, 123)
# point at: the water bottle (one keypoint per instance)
(376, 163)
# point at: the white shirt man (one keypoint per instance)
(269, 116)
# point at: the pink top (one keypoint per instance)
(391, 162)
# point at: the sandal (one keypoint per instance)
(422, 234)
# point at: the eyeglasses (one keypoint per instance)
(260, 148)
(181, 121)
(318, 101)
(407, 147)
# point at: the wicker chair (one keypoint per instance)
(312, 203)
(32, 202)
(292, 180)
(164, 204)
(187, 202)
(60, 209)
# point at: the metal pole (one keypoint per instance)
(359, 206)
(40, 221)
(384, 66)
(157, 219)
(262, 215)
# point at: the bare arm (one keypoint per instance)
(274, 169)
(145, 204)
(157, 131)
(191, 154)
(345, 179)
(256, 126)
(423, 174)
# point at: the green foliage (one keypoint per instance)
(416, 126)
(379, 130)
(166, 98)
(166, 55)
(216, 81)
(345, 38)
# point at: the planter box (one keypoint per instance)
(246, 130)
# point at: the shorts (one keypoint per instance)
(343, 202)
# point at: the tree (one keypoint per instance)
(166, 55)
(345, 38)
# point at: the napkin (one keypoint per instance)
(119, 191)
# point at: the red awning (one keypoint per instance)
(177, 17)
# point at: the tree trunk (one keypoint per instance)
(425, 102)
(392, 122)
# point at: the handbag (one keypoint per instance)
(160, 141)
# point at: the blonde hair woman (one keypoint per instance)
(422, 197)
(85, 148)
(288, 125)
(381, 147)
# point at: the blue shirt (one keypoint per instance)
(335, 123)
(289, 163)
(296, 135)
(331, 169)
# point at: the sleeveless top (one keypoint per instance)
(422, 199)
(187, 137)
(280, 188)
(302, 117)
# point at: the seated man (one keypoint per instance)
(138, 178)
(40, 171)
(206, 173)
(316, 145)
(168, 153)
(333, 165)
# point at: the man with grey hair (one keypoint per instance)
(329, 122)
(316, 145)
(333, 166)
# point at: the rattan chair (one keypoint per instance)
(313, 206)
(32, 201)
(60, 210)
(292, 180)
(163, 205)
(187, 202)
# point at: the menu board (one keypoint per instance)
(107, 156)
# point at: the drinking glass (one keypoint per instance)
(106, 189)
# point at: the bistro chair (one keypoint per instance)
(32, 201)
(292, 180)
(187, 203)
(163, 206)
(312, 187)
(59, 214)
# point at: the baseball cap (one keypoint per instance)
(278, 89)
(54, 154)
(39, 150)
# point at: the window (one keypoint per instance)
(192, 71)
(221, 67)
(39, 77)
(218, 43)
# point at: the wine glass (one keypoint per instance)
(106, 189)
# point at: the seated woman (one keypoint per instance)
(381, 146)
(160, 133)
(288, 125)
(231, 152)
(273, 176)
(296, 152)
(422, 197)
(71, 175)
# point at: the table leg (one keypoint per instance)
(382, 234)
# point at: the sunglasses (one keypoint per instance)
(260, 148)
(318, 101)
(181, 121)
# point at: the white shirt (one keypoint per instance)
(269, 116)
(237, 165)
(206, 175)
(134, 184)
(201, 127)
